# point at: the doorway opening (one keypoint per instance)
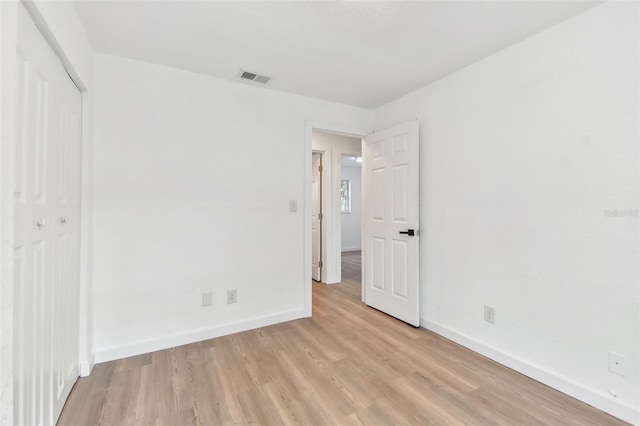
(351, 218)
(390, 220)
(331, 142)
(316, 217)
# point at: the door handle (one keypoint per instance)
(409, 232)
(41, 223)
(63, 220)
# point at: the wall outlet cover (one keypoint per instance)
(489, 314)
(232, 296)
(617, 364)
(207, 299)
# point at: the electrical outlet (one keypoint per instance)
(232, 296)
(207, 299)
(617, 364)
(489, 314)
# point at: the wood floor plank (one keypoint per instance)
(182, 418)
(164, 402)
(88, 396)
(209, 397)
(348, 364)
(120, 401)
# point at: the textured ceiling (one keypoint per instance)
(357, 53)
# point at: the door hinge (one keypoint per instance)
(320, 216)
(320, 264)
(320, 168)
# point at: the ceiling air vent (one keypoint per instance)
(254, 77)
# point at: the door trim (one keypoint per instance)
(329, 216)
(322, 233)
(9, 30)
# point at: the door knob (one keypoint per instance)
(63, 220)
(409, 232)
(40, 223)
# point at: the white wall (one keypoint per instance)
(192, 181)
(351, 222)
(333, 146)
(523, 155)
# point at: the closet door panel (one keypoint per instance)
(67, 241)
(45, 250)
(33, 234)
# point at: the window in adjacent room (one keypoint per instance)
(345, 196)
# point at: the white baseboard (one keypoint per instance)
(87, 366)
(600, 400)
(192, 336)
(344, 249)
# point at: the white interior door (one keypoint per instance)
(66, 230)
(391, 221)
(47, 165)
(316, 217)
(33, 233)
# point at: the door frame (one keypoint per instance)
(323, 229)
(330, 219)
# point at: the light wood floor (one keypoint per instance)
(349, 364)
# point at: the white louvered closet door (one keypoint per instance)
(46, 230)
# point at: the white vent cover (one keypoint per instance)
(245, 75)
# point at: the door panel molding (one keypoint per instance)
(390, 253)
(46, 230)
